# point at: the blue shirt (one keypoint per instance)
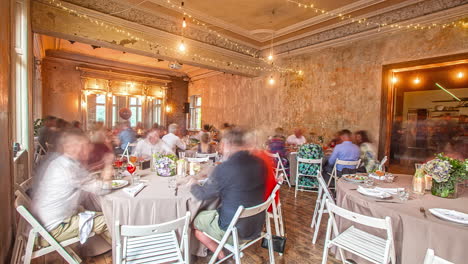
(126, 136)
(345, 151)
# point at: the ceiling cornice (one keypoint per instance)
(444, 16)
(429, 11)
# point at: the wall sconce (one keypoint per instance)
(460, 75)
(109, 94)
(83, 104)
(168, 108)
(394, 79)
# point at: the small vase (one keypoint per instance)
(447, 189)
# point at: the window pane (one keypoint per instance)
(101, 113)
(101, 98)
(133, 101)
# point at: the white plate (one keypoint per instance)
(117, 184)
(353, 180)
(450, 215)
(374, 193)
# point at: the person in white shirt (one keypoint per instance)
(60, 185)
(172, 140)
(151, 144)
(297, 138)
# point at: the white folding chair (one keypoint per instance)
(299, 175)
(382, 163)
(276, 212)
(323, 194)
(431, 258)
(199, 160)
(279, 166)
(38, 230)
(367, 246)
(237, 248)
(152, 243)
(39, 152)
(23, 188)
(334, 174)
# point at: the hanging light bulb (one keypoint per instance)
(184, 23)
(271, 81)
(460, 75)
(182, 47)
(417, 80)
(300, 72)
(270, 57)
(394, 79)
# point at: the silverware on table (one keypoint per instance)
(423, 211)
(382, 201)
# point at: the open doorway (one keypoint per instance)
(426, 109)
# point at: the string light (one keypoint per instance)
(366, 22)
(271, 81)
(184, 24)
(270, 57)
(170, 51)
(182, 47)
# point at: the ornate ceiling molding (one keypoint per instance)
(423, 12)
(161, 22)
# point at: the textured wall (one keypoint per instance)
(341, 86)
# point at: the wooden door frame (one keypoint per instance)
(388, 92)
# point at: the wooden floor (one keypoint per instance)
(299, 248)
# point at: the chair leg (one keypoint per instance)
(317, 204)
(29, 247)
(320, 214)
(283, 169)
(235, 239)
(17, 249)
(327, 241)
(280, 215)
(270, 242)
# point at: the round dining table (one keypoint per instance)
(415, 229)
(156, 203)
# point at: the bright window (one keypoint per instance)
(117, 103)
(135, 106)
(155, 111)
(195, 112)
(96, 108)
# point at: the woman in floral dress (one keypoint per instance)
(309, 151)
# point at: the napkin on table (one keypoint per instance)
(373, 192)
(389, 190)
(134, 190)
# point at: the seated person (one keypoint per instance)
(346, 150)
(277, 143)
(368, 152)
(127, 135)
(172, 139)
(150, 145)
(204, 146)
(240, 180)
(62, 182)
(101, 144)
(297, 138)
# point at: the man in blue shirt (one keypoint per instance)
(346, 150)
(127, 135)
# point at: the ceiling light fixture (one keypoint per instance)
(271, 81)
(184, 23)
(270, 57)
(182, 47)
(394, 79)
(460, 75)
(417, 80)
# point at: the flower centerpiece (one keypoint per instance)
(446, 174)
(165, 165)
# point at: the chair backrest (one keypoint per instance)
(431, 258)
(348, 163)
(309, 161)
(200, 160)
(206, 155)
(385, 223)
(258, 209)
(27, 184)
(325, 188)
(147, 230)
(271, 155)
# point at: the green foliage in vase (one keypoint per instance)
(458, 171)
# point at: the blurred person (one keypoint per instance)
(204, 146)
(140, 129)
(47, 131)
(335, 140)
(155, 126)
(127, 135)
(277, 143)
(368, 151)
(397, 139)
(150, 145)
(206, 129)
(61, 185)
(455, 149)
(101, 145)
(346, 151)
(297, 138)
(240, 180)
(172, 139)
(76, 125)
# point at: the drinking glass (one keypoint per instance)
(369, 182)
(389, 178)
(136, 178)
(133, 159)
(181, 154)
(403, 194)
